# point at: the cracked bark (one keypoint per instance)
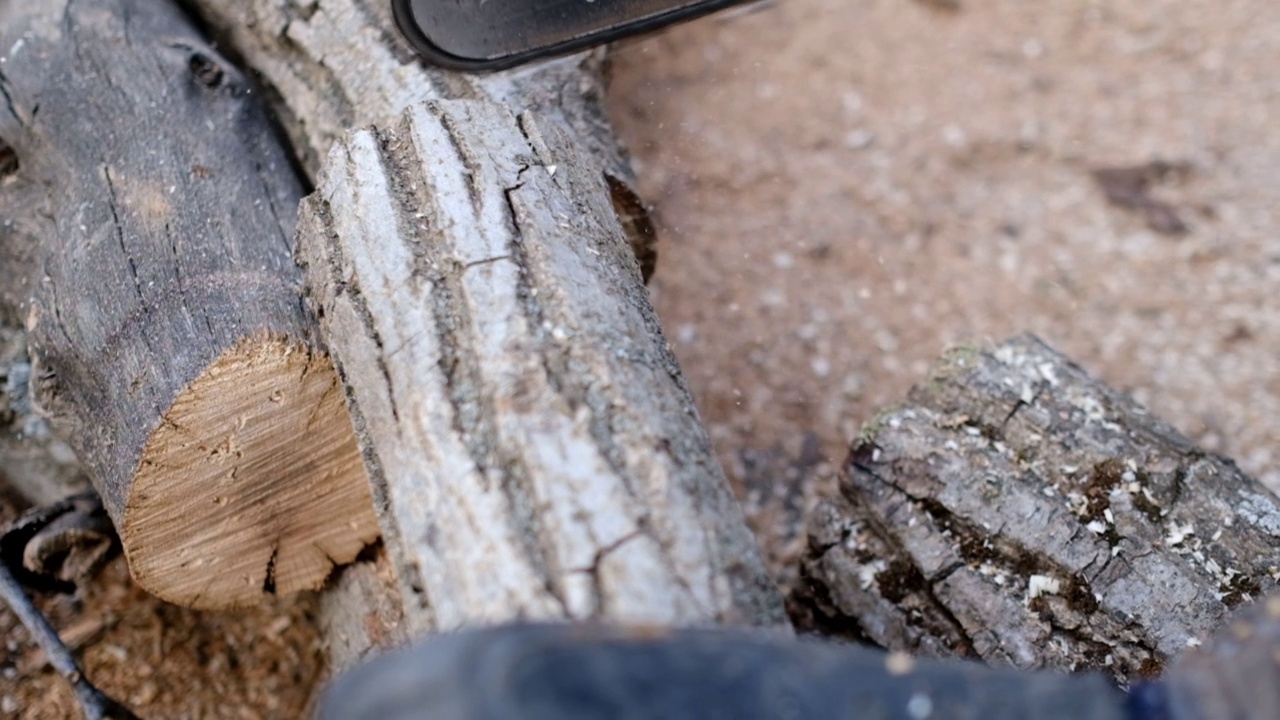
(166, 341)
(553, 417)
(333, 65)
(1012, 468)
(537, 454)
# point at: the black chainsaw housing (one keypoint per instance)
(483, 35)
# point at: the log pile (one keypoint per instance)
(448, 368)
(526, 445)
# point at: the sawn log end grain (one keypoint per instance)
(273, 492)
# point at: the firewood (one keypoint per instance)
(1017, 510)
(534, 449)
(536, 455)
(170, 347)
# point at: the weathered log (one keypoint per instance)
(536, 453)
(339, 64)
(169, 342)
(1017, 510)
(334, 65)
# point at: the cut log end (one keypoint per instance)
(251, 484)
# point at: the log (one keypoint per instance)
(536, 454)
(1016, 510)
(169, 343)
(598, 381)
(334, 65)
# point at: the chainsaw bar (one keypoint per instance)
(480, 35)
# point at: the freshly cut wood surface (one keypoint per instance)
(169, 342)
(1017, 510)
(260, 447)
(537, 453)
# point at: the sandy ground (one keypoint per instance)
(844, 188)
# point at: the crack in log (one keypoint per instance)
(283, 225)
(269, 580)
(486, 261)
(177, 261)
(8, 161)
(1021, 404)
(593, 571)
(899, 552)
(475, 183)
(112, 203)
(9, 103)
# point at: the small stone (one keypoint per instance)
(899, 663)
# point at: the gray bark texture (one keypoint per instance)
(1015, 509)
(537, 454)
(147, 229)
(335, 65)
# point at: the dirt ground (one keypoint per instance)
(846, 188)
(843, 190)
(161, 660)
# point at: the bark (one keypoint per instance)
(334, 65)
(148, 223)
(661, 538)
(1017, 510)
(537, 454)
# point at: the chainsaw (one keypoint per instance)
(484, 35)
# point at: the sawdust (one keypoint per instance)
(161, 660)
